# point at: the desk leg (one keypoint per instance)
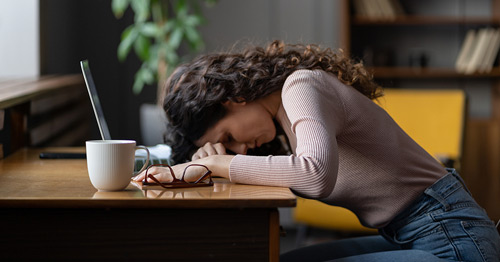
(18, 117)
(274, 236)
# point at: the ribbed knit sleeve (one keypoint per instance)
(315, 118)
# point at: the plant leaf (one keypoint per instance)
(147, 75)
(168, 26)
(118, 7)
(210, 3)
(172, 58)
(153, 57)
(138, 84)
(181, 8)
(175, 38)
(193, 20)
(150, 29)
(143, 76)
(141, 9)
(129, 36)
(141, 47)
(168, 53)
(193, 37)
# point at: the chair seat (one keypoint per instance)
(317, 214)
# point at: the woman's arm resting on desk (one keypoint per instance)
(218, 164)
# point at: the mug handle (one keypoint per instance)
(147, 159)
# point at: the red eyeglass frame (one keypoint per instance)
(178, 183)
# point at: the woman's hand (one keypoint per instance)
(218, 164)
(209, 149)
(163, 174)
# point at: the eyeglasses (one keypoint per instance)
(179, 183)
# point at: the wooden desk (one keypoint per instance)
(49, 209)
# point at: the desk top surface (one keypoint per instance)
(27, 181)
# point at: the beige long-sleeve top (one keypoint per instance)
(347, 151)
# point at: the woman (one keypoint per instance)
(347, 151)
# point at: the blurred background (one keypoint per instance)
(45, 37)
(51, 36)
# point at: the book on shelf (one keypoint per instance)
(478, 51)
(465, 51)
(378, 9)
(491, 52)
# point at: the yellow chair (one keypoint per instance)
(433, 118)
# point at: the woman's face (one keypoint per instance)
(245, 126)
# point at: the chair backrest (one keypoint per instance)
(435, 119)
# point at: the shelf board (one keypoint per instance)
(423, 20)
(424, 73)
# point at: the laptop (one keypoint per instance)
(159, 154)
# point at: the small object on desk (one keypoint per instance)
(110, 163)
(62, 155)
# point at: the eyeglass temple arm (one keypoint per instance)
(208, 173)
(154, 179)
(202, 177)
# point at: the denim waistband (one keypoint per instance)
(438, 191)
(446, 186)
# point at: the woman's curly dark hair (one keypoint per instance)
(194, 93)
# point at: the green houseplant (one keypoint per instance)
(159, 29)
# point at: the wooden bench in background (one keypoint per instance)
(44, 111)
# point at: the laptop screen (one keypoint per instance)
(94, 99)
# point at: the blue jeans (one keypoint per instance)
(443, 224)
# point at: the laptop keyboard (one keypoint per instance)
(139, 162)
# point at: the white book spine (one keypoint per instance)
(488, 49)
(359, 8)
(495, 46)
(478, 51)
(387, 10)
(465, 51)
(372, 9)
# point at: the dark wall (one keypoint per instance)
(71, 31)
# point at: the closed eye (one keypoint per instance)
(227, 139)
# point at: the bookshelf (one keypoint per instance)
(427, 73)
(418, 44)
(425, 20)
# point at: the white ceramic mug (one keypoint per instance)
(110, 163)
